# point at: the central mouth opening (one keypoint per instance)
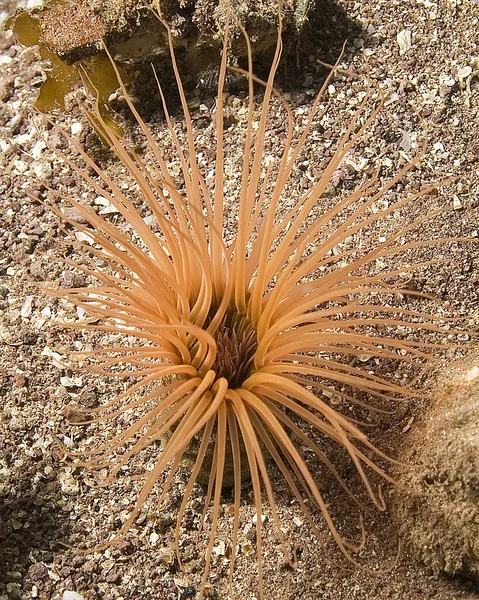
(236, 346)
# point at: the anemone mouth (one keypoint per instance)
(236, 345)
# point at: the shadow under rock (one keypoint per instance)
(465, 584)
(327, 29)
(31, 528)
(323, 35)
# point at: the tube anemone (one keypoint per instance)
(242, 339)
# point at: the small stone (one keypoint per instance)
(81, 236)
(255, 518)
(405, 143)
(29, 338)
(15, 124)
(447, 80)
(220, 549)
(167, 556)
(464, 72)
(71, 382)
(72, 214)
(16, 524)
(38, 572)
(68, 484)
(308, 81)
(247, 549)
(17, 424)
(14, 592)
(7, 86)
(88, 397)
(113, 577)
(20, 380)
(90, 566)
(72, 280)
(38, 149)
(444, 91)
(36, 271)
(154, 537)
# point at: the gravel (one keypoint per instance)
(423, 57)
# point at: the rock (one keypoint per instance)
(7, 86)
(90, 566)
(88, 397)
(75, 31)
(36, 270)
(437, 504)
(20, 380)
(38, 572)
(113, 576)
(72, 280)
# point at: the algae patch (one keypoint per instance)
(96, 71)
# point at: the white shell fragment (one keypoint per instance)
(71, 382)
(464, 72)
(404, 41)
(76, 128)
(38, 149)
(69, 595)
(81, 236)
(27, 307)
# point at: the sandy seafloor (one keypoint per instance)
(47, 508)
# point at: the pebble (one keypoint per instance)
(6, 89)
(113, 577)
(72, 280)
(154, 537)
(73, 215)
(38, 571)
(20, 380)
(36, 270)
(84, 237)
(88, 397)
(406, 141)
(308, 81)
(69, 595)
(90, 566)
(167, 556)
